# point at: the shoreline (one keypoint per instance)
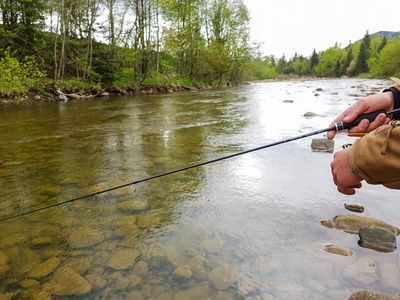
(51, 95)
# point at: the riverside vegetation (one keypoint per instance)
(87, 47)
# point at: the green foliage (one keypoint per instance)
(387, 63)
(331, 61)
(17, 77)
(125, 78)
(261, 68)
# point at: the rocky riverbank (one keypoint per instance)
(56, 94)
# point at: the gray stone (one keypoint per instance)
(323, 145)
(377, 238)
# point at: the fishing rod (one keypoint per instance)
(338, 126)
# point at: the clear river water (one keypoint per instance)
(244, 228)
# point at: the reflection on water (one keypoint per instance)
(244, 228)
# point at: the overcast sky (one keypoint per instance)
(289, 26)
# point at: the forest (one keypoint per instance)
(98, 44)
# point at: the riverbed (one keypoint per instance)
(247, 227)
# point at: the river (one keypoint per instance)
(247, 227)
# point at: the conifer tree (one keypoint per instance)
(314, 61)
(363, 55)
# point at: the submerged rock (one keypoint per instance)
(123, 259)
(45, 268)
(353, 223)
(377, 238)
(367, 295)
(67, 282)
(85, 237)
(338, 250)
(195, 293)
(222, 278)
(363, 271)
(4, 267)
(324, 145)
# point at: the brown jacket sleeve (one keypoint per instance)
(376, 156)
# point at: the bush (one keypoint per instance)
(17, 77)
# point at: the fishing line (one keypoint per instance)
(339, 126)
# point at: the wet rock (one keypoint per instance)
(135, 296)
(211, 246)
(123, 259)
(319, 90)
(323, 145)
(377, 238)
(133, 205)
(354, 207)
(195, 293)
(127, 230)
(7, 296)
(150, 220)
(45, 268)
(141, 268)
(224, 296)
(161, 160)
(52, 190)
(5, 172)
(338, 250)
(353, 223)
(67, 282)
(85, 237)
(24, 257)
(80, 265)
(42, 240)
(183, 272)
(30, 284)
(54, 253)
(310, 114)
(367, 295)
(4, 267)
(363, 271)
(17, 238)
(222, 277)
(134, 280)
(248, 285)
(95, 278)
(126, 220)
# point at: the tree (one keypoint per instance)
(313, 61)
(387, 63)
(331, 61)
(363, 55)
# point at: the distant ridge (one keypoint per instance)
(386, 34)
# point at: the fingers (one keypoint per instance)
(364, 125)
(349, 190)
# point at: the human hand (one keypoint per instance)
(366, 105)
(345, 180)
